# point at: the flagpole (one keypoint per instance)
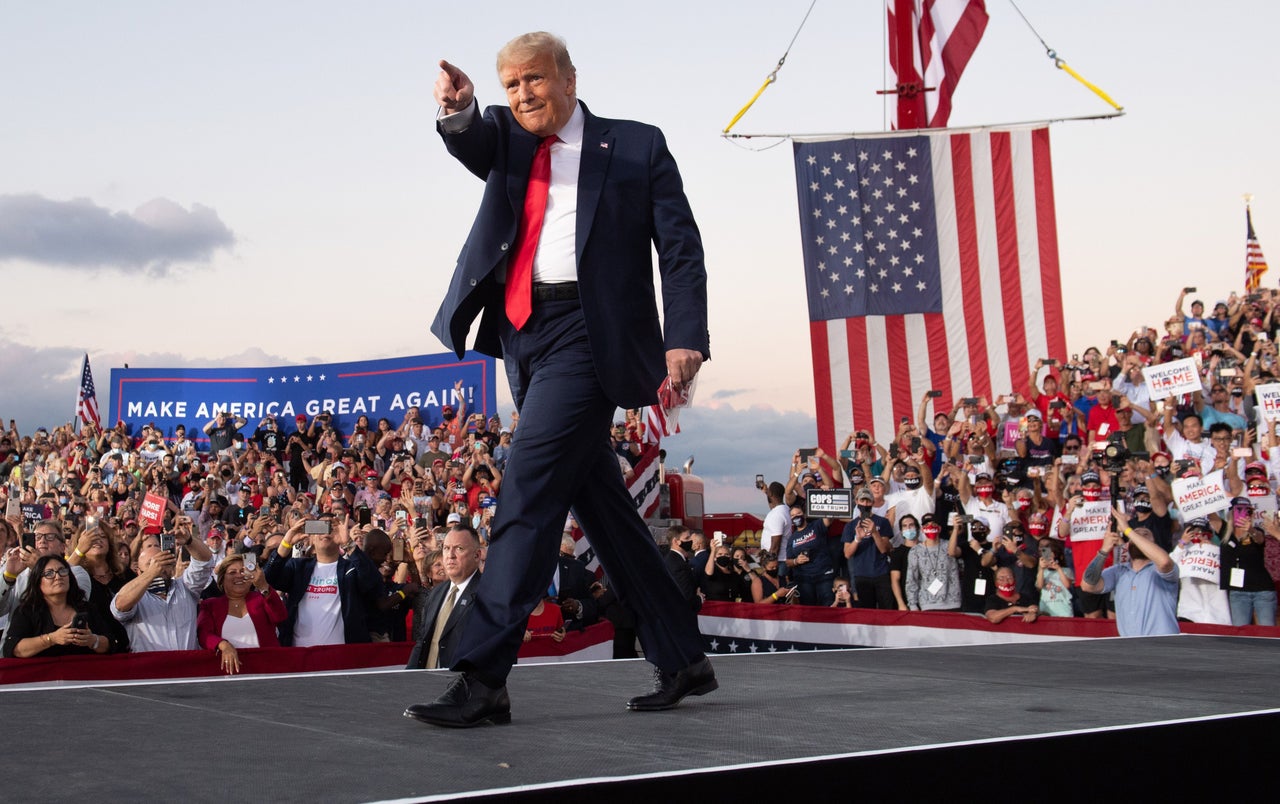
(908, 132)
(75, 411)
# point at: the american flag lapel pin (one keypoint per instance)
(604, 146)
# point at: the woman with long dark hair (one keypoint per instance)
(53, 618)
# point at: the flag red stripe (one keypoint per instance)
(970, 278)
(1047, 229)
(822, 384)
(956, 52)
(895, 331)
(924, 40)
(939, 363)
(1006, 222)
(859, 378)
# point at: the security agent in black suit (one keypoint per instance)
(679, 545)
(614, 194)
(572, 585)
(461, 559)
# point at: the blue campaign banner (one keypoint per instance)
(374, 388)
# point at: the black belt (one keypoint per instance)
(555, 291)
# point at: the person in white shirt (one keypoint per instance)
(1200, 596)
(980, 500)
(1186, 440)
(329, 594)
(916, 498)
(157, 609)
(777, 523)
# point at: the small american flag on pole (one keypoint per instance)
(87, 397)
(931, 263)
(1255, 265)
(930, 44)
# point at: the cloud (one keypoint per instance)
(38, 386)
(727, 393)
(730, 446)
(80, 234)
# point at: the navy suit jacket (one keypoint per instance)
(452, 632)
(630, 196)
(575, 583)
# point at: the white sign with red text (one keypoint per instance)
(1200, 560)
(1200, 496)
(1089, 521)
(1262, 497)
(1268, 399)
(1173, 378)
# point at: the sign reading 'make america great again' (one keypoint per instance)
(373, 388)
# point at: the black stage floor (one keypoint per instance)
(866, 724)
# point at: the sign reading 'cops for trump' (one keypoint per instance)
(373, 388)
(829, 503)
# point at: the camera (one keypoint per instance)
(1115, 455)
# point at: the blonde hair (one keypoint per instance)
(527, 47)
(225, 564)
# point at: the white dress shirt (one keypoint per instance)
(167, 623)
(556, 259)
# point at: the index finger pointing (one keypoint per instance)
(450, 70)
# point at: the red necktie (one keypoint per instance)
(519, 293)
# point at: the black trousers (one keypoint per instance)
(875, 592)
(560, 459)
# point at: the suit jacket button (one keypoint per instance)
(505, 246)
(473, 283)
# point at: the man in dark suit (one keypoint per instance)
(461, 558)
(572, 206)
(572, 587)
(678, 546)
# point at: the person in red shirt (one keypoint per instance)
(1054, 406)
(1102, 416)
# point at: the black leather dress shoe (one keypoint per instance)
(467, 702)
(670, 688)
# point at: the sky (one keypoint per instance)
(249, 184)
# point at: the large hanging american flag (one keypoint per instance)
(1255, 265)
(931, 262)
(930, 43)
(87, 397)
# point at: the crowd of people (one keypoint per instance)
(305, 535)
(115, 541)
(1057, 498)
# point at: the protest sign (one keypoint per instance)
(1173, 378)
(1268, 397)
(1262, 497)
(1200, 560)
(34, 513)
(1200, 496)
(829, 503)
(1089, 521)
(152, 511)
(373, 388)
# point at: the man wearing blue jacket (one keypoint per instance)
(328, 594)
